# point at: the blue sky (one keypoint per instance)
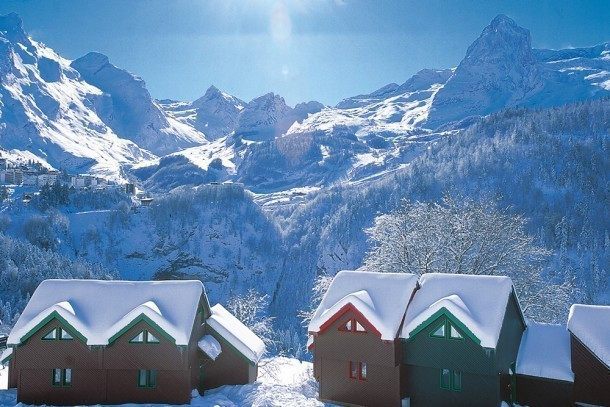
(302, 49)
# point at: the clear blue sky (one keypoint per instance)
(302, 49)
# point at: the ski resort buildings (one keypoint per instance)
(447, 339)
(113, 342)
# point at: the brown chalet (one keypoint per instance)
(114, 342)
(589, 327)
(354, 337)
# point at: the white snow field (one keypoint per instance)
(282, 382)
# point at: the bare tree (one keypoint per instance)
(466, 237)
(318, 290)
(251, 310)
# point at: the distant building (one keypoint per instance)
(146, 201)
(30, 179)
(47, 179)
(130, 189)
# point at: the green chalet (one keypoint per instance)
(461, 340)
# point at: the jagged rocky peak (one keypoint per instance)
(502, 40)
(11, 27)
(498, 71)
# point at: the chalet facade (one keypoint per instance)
(461, 339)
(589, 328)
(114, 342)
(354, 338)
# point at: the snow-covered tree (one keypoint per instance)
(463, 236)
(318, 290)
(251, 309)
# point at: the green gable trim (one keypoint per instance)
(50, 317)
(233, 348)
(450, 317)
(6, 359)
(137, 319)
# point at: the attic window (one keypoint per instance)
(346, 327)
(447, 330)
(51, 336)
(58, 333)
(439, 332)
(144, 337)
(352, 325)
(454, 333)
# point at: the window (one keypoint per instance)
(357, 370)
(144, 337)
(456, 385)
(346, 327)
(454, 333)
(352, 326)
(439, 332)
(51, 336)
(147, 378)
(65, 335)
(451, 380)
(445, 379)
(62, 377)
(58, 333)
(446, 330)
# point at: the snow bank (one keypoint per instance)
(210, 346)
(545, 352)
(100, 309)
(479, 302)
(591, 325)
(236, 333)
(381, 298)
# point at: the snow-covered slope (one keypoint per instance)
(48, 110)
(127, 108)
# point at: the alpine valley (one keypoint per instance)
(262, 194)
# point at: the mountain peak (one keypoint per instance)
(502, 20)
(91, 62)
(12, 25)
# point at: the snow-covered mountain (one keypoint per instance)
(127, 108)
(48, 111)
(501, 70)
(268, 116)
(216, 113)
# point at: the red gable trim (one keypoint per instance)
(342, 311)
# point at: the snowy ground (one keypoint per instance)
(282, 382)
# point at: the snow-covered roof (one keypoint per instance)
(545, 352)
(591, 325)
(478, 302)
(6, 356)
(210, 346)
(99, 310)
(381, 298)
(236, 333)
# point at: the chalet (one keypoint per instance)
(354, 338)
(544, 374)
(589, 328)
(114, 342)
(461, 338)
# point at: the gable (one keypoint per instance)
(351, 313)
(443, 317)
(148, 322)
(46, 321)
